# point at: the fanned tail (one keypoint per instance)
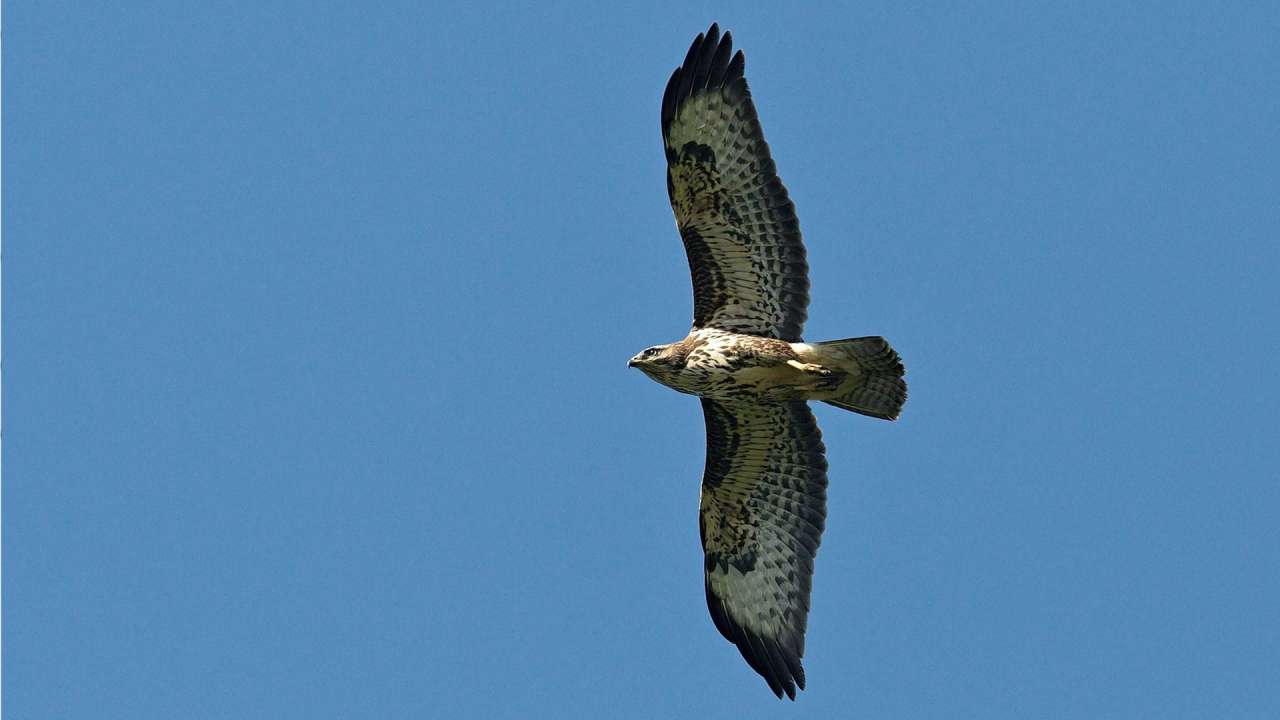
(875, 386)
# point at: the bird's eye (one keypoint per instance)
(651, 352)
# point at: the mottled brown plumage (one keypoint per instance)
(763, 504)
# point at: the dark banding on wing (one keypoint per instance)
(739, 227)
(762, 513)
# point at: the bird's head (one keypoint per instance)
(658, 361)
(648, 357)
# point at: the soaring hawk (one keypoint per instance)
(764, 487)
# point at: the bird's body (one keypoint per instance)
(763, 505)
(722, 365)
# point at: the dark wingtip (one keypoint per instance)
(777, 662)
(707, 65)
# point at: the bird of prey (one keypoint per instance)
(763, 505)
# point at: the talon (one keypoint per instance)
(809, 368)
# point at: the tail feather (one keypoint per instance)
(881, 390)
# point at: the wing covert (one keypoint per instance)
(735, 217)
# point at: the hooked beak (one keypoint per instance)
(631, 363)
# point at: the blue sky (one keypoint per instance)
(316, 318)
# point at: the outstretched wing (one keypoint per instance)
(764, 497)
(737, 221)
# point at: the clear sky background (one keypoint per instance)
(316, 318)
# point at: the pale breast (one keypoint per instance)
(728, 365)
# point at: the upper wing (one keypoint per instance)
(764, 497)
(737, 221)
